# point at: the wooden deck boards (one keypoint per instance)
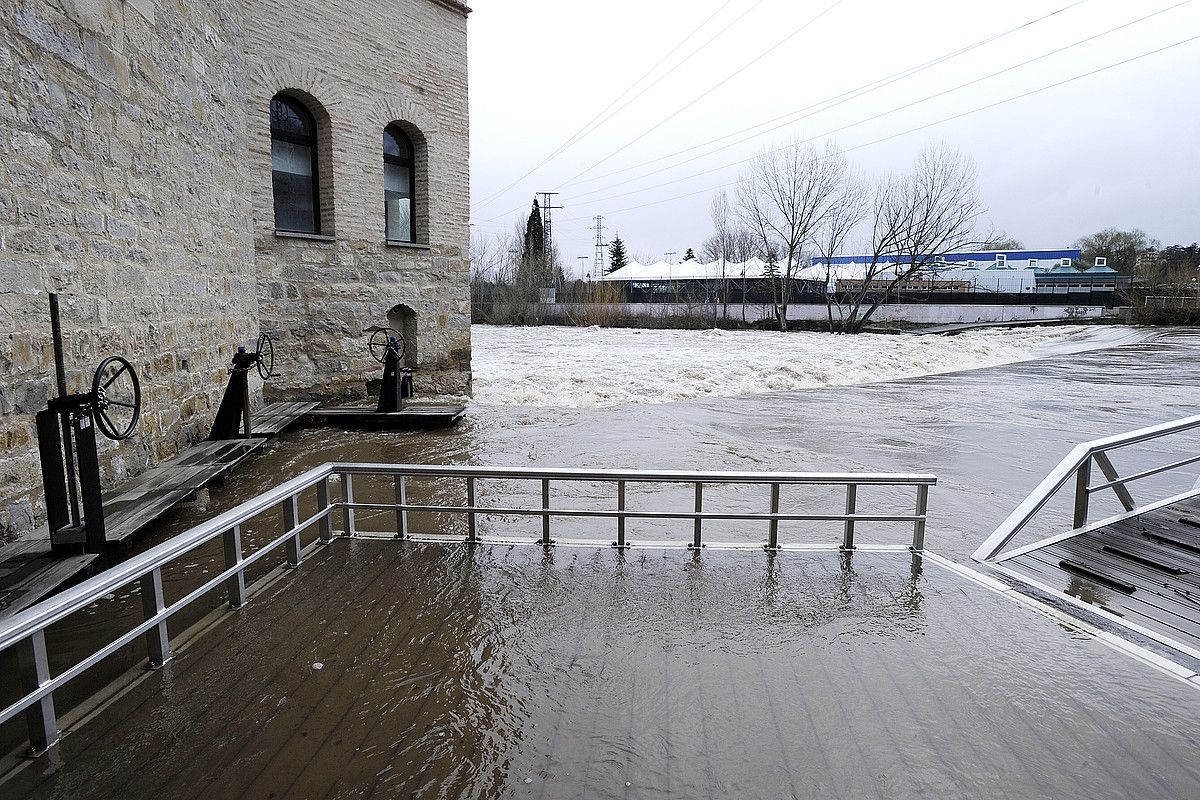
(412, 417)
(28, 572)
(28, 569)
(133, 506)
(1144, 569)
(275, 418)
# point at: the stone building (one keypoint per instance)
(145, 178)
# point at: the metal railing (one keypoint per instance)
(26, 630)
(1173, 301)
(1077, 467)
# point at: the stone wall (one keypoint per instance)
(123, 186)
(359, 66)
(135, 181)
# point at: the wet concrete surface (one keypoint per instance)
(384, 669)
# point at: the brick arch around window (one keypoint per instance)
(420, 127)
(321, 97)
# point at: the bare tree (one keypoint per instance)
(718, 210)
(847, 209)
(918, 218)
(783, 199)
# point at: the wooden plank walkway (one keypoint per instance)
(134, 505)
(411, 417)
(28, 572)
(1145, 569)
(275, 418)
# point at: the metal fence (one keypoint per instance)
(1173, 301)
(26, 631)
(1077, 467)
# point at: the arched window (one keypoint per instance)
(399, 185)
(294, 166)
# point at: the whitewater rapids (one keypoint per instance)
(601, 367)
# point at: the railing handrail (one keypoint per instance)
(1079, 456)
(37, 617)
(643, 475)
(28, 628)
(41, 615)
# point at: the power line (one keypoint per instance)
(709, 91)
(942, 121)
(855, 124)
(589, 127)
(844, 97)
(879, 83)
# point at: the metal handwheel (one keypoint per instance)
(265, 363)
(384, 339)
(115, 386)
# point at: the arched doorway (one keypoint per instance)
(404, 319)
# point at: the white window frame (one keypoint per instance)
(1101, 261)
(1001, 259)
(1033, 262)
(1064, 262)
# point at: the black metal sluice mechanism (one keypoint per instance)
(386, 346)
(233, 415)
(66, 433)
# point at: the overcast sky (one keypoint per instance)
(1118, 148)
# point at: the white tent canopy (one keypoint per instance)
(694, 270)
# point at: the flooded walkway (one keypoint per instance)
(385, 669)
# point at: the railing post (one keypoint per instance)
(472, 534)
(348, 498)
(401, 513)
(325, 524)
(773, 526)
(918, 542)
(1110, 474)
(236, 583)
(291, 517)
(546, 540)
(157, 641)
(851, 507)
(1083, 478)
(620, 542)
(698, 524)
(35, 673)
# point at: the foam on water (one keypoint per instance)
(599, 367)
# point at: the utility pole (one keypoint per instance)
(547, 230)
(670, 281)
(598, 261)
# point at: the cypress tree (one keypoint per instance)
(616, 254)
(690, 255)
(535, 237)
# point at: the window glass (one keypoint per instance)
(399, 186)
(397, 181)
(294, 167)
